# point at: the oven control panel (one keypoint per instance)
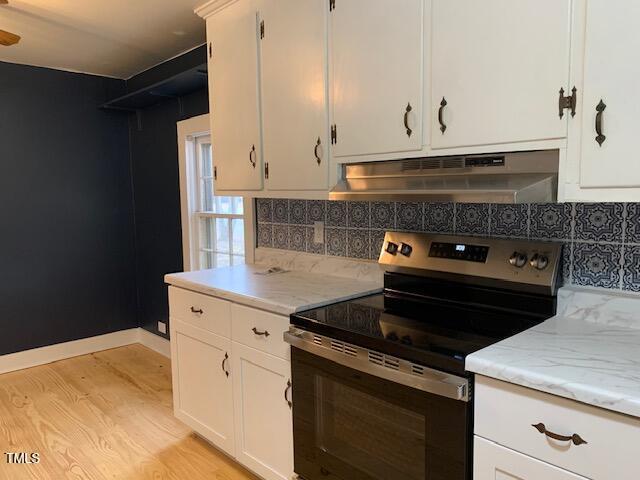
(459, 251)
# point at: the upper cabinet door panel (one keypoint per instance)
(499, 65)
(611, 73)
(376, 72)
(234, 97)
(294, 99)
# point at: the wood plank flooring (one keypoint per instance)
(106, 415)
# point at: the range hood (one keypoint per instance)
(520, 177)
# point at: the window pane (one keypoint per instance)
(206, 233)
(222, 235)
(222, 260)
(205, 154)
(207, 195)
(238, 207)
(237, 260)
(205, 260)
(238, 235)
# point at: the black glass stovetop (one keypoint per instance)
(435, 332)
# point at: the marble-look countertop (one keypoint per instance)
(589, 352)
(281, 293)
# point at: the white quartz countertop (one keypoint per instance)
(281, 293)
(573, 356)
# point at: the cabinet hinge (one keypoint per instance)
(210, 49)
(266, 170)
(262, 29)
(567, 102)
(215, 173)
(332, 5)
(334, 134)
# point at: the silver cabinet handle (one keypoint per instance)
(224, 360)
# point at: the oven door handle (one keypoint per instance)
(381, 365)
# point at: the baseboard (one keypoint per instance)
(75, 348)
(154, 342)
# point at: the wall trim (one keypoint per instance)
(75, 348)
(211, 7)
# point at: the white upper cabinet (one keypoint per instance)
(497, 68)
(376, 76)
(611, 105)
(234, 96)
(294, 93)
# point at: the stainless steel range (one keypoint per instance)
(381, 391)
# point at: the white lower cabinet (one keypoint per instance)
(493, 462)
(264, 429)
(202, 387)
(234, 390)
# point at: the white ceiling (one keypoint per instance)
(115, 38)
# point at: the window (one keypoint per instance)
(219, 221)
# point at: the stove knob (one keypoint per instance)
(406, 249)
(539, 262)
(518, 259)
(392, 248)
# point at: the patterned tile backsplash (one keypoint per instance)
(601, 240)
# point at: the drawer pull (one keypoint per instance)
(575, 438)
(286, 394)
(224, 360)
(196, 310)
(258, 332)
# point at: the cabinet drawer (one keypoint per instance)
(260, 330)
(506, 414)
(202, 311)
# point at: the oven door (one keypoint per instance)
(353, 421)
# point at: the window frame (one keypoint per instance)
(191, 133)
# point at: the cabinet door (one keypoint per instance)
(202, 385)
(234, 97)
(264, 431)
(498, 65)
(611, 76)
(493, 462)
(294, 100)
(376, 74)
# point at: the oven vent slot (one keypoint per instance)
(417, 369)
(384, 361)
(317, 340)
(350, 350)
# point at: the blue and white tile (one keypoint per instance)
(599, 222)
(472, 218)
(264, 210)
(631, 280)
(409, 216)
(383, 215)
(281, 236)
(336, 214)
(376, 240)
(358, 243)
(551, 221)
(265, 235)
(297, 238)
(633, 223)
(297, 212)
(438, 217)
(509, 220)
(567, 263)
(280, 211)
(596, 265)
(336, 239)
(312, 246)
(316, 211)
(358, 214)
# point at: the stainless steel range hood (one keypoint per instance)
(521, 177)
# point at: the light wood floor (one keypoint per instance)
(106, 415)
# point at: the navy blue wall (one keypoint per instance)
(67, 238)
(154, 159)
